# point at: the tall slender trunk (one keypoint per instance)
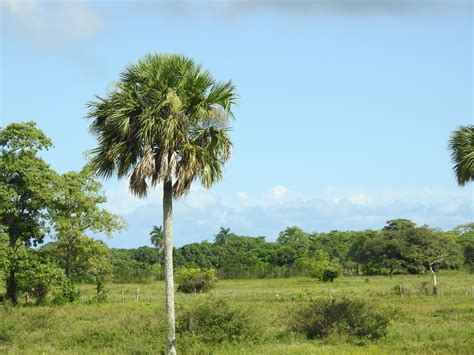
(169, 282)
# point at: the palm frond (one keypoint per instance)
(461, 145)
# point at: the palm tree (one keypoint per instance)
(461, 145)
(222, 238)
(165, 121)
(157, 238)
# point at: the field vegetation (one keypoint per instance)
(419, 322)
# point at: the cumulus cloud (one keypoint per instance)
(200, 214)
(50, 23)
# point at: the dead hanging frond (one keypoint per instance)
(143, 171)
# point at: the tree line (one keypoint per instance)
(400, 247)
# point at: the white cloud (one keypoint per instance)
(50, 23)
(200, 198)
(121, 201)
(199, 215)
(278, 192)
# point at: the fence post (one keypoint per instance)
(401, 290)
(138, 294)
(123, 297)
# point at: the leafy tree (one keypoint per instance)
(165, 121)
(399, 224)
(76, 211)
(27, 187)
(465, 236)
(435, 249)
(293, 244)
(461, 145)
(408, 249)
(146, 255)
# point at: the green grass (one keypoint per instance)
(423, 324)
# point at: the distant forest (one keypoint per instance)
(400, 247)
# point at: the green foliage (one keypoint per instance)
(101, 291)
(216, 321)
(344, 317)
(465, 235)
(461, 145)
(126, 269)
(406, 249)
(399, 224)
(76, 211)
(40, 277)
(323, 268)
(157, 238)
(195, 280)
(330, 273)
(27, 188)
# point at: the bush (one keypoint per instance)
(329, 273)
(324, 317)
(193, 280)
(216, 322)
(40, 278)
(325, 270)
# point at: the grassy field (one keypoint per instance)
(423, 324)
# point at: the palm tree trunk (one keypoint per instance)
(169, 282)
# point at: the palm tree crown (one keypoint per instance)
(165, 119)
(461, 145)
(157, 238)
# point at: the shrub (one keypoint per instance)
(325, 270)
(329, 273)
(40, 277)
(324, 317)
(215, 321)
(193, 280)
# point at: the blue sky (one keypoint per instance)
(344, 114)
